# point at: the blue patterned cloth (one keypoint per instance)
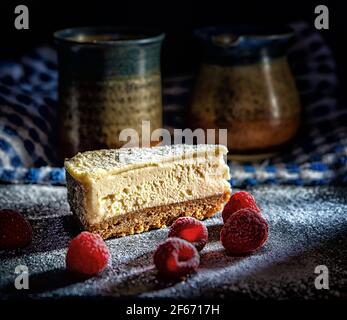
(28, 95)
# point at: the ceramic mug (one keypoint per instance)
(109, 80)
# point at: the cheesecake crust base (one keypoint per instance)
(158, 217)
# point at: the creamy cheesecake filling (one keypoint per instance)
(177, 181)
(114, 182)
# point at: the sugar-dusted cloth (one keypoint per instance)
(28, 101)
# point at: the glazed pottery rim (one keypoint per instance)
(144, 35)
(208, 32)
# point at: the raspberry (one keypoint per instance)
(244, 232)
(176, 258)
(87, 254)
(15, 230)
(190, 229)
(239, 200)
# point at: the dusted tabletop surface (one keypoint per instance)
(308, 227)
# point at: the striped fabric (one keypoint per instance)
(28, 95)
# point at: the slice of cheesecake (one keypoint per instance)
(119, 192)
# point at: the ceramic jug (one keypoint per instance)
(245, 85)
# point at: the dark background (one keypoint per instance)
(176, 18)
